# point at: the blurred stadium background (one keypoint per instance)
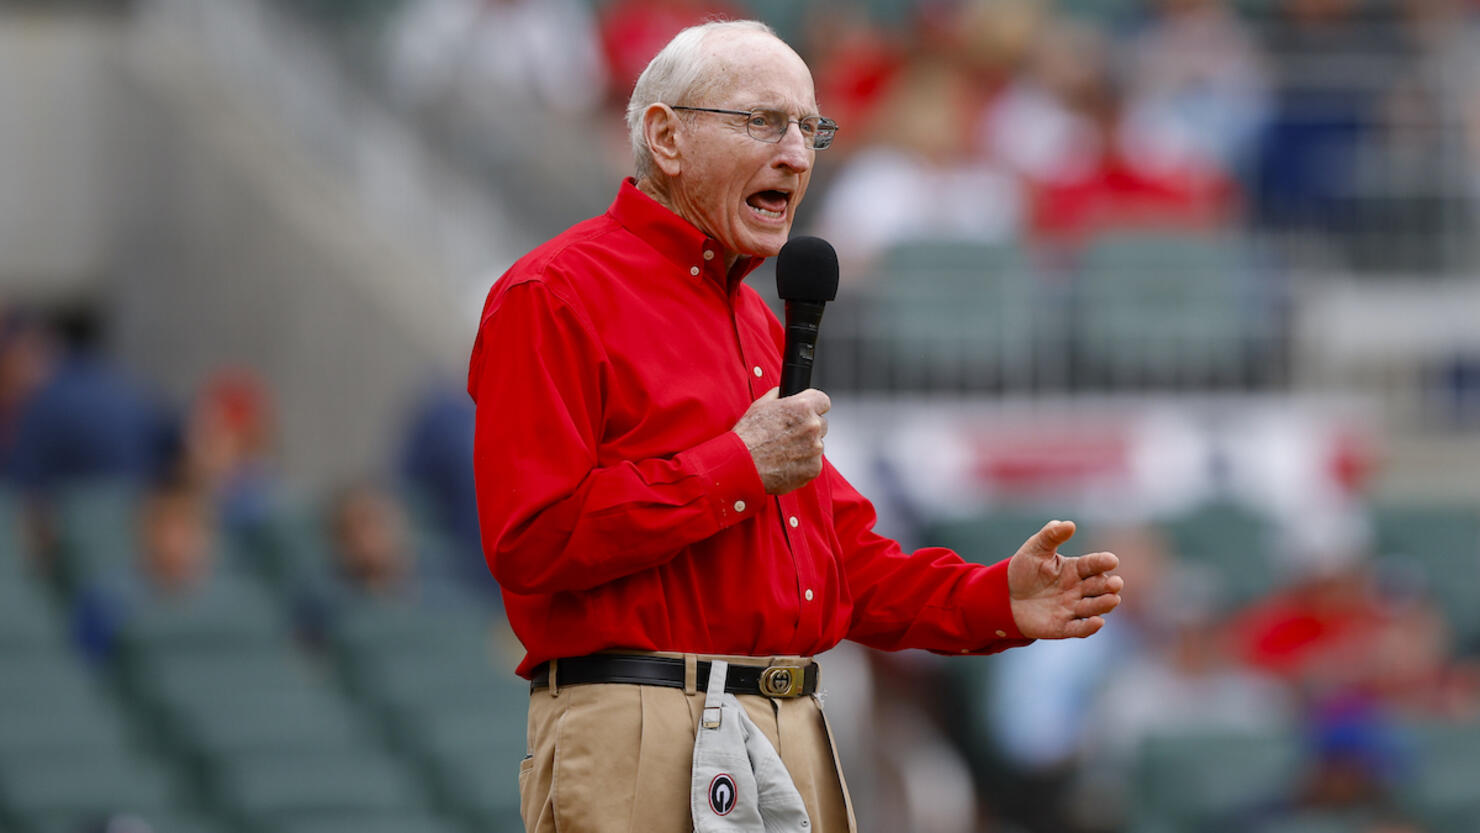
(1200, 274)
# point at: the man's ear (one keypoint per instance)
(660, 127)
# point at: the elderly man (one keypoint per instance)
(658, 517)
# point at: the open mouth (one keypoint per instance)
(769, 204)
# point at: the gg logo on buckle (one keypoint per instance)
(783, 681)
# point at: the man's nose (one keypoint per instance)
(792, 151)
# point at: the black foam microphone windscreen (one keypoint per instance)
(806, 279)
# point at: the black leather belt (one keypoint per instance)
(780, 680)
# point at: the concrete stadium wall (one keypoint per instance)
(56, 115)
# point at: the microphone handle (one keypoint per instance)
(802, 321)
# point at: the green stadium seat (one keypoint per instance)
(891, 12)
(216, 707)
(1442, 791)
(376, 626)
(399, 682)
(272, 721)
(231, 613)
(991, 536)
(457, 734)
(291, 547)
(787, 17)
(1197, 780)
(473, 758)
(1232, 541)
(96, 527)
(433, 681)
(35, 680)
(483, 790)
(279, 789)
(14, 552)
(400, 823)
(1427, 529)
(1311, 821)
(1439, 545)
(216, 676)
(77, 726)
(46, 785)
(158, 822)
(955, 313)
(29, 622)
(1167, 308)
(1106, 14)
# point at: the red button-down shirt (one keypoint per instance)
(618, 508)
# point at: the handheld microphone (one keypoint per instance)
(806, 279)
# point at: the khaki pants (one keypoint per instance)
(614, 757)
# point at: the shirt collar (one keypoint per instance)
(672, 236)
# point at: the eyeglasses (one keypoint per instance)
(771, 125)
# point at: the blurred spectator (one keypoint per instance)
(1337, 632)
(1317, 632)
(856, 62)
(1060, 126)
(373, 552)
(1309, 157)
(1041, 708)
(1414, 177)
(919, 181)
(1354, 766)
(1356, 757)
(436, 467)
(25, 362)
(1196, 88)
(225, 444)
(175, 563)
(994, 39)
(87, 419)
(370, 558)
(1415, 666)
(1186, 681)
(480, 53)
(632, 32)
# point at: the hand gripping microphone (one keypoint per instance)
(806, 278)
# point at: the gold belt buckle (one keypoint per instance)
(783, 681)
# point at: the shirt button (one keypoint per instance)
(1001, 634)
(793, 521)
(708, 254)
(739, 506)
(694, 270)
(808, 594)
(758, 372)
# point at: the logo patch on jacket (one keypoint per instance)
(722, 794)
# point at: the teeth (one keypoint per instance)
(766, 212)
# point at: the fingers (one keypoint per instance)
(1094, 606)
(1096, 563)
(819, 402)
(1046, 541)
(1101, 584)
(1080, 628)
(814, 403)
(771, 395)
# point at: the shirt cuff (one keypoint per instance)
(728, 471)
(989, 613)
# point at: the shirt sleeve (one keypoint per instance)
(554, 516)
(930, 598)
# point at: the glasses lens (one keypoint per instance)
(771, 126)
(818, 131)
(767, 125)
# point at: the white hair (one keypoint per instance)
(674, 74)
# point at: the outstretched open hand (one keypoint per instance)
(1056, 596)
